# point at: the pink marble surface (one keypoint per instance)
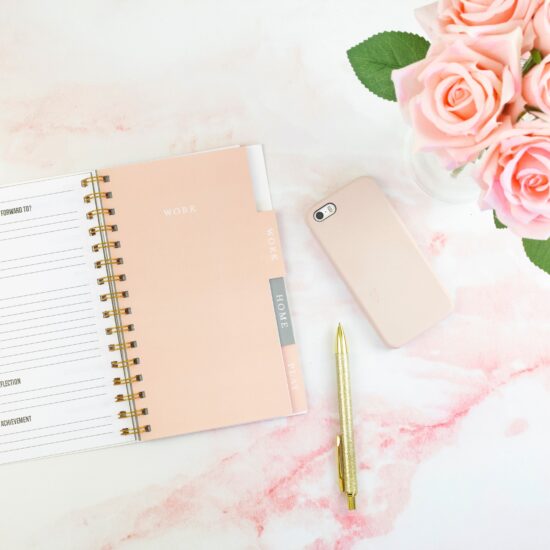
(452, 430)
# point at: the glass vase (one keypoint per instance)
(438, 182)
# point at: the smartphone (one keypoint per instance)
(374, 253)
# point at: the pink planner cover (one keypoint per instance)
(204, 274)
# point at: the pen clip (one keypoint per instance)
(340, 462)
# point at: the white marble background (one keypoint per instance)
(452, 430)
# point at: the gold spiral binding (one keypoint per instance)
(117, 312)
(100, 212)
(124, 381)
(109, 261)
(114, 295)
(110, 278)
(91, 180)
(130, 414)
(93, 231)
(129, 396)
(99, 195)
(108, 244)
(124, 345)
(125, 364)
(118, 330)
(133, 431)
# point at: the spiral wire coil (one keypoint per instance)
(104, 230)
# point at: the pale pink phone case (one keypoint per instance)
(380, 262)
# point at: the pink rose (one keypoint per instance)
(541, 24)
(515, 180)
(455, 99)
(480, 18)
(536, 87)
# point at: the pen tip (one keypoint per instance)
(341, 345)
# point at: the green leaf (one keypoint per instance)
(534, 59)
(374, 59)
(538, 252)
(457, 171)
(498, 223)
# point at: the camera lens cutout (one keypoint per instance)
(325, 212)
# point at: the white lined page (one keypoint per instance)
(56, 382)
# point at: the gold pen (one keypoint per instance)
(345, 448)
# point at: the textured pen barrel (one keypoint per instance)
(346, 419)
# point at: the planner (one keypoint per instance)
(142, 301)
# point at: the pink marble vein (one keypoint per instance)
(288, 475)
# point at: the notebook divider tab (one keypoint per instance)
(275, 272)
(275, 269)
(116, 308)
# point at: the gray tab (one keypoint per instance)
(282, 312)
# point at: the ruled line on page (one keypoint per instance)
(55, 442)
(52, 364)
(53, 387)
(42, 263)
(47, 325)
(32, 182)
(47, 316)
(43, 292)
(42, 271)
(46, 349)
(35, 342)
(37, 234)
(38, 225)
(17, 199)
(57, 425)
(39, 217)
(49, 357)
(47, 396)
(48, 308)
(44, 333)
(42, 254)
(47, 300)
(55, 403)
(55, 434)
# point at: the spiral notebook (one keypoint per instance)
(140, 302)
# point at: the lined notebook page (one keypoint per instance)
(56, 382)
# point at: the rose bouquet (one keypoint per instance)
(477, 92)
